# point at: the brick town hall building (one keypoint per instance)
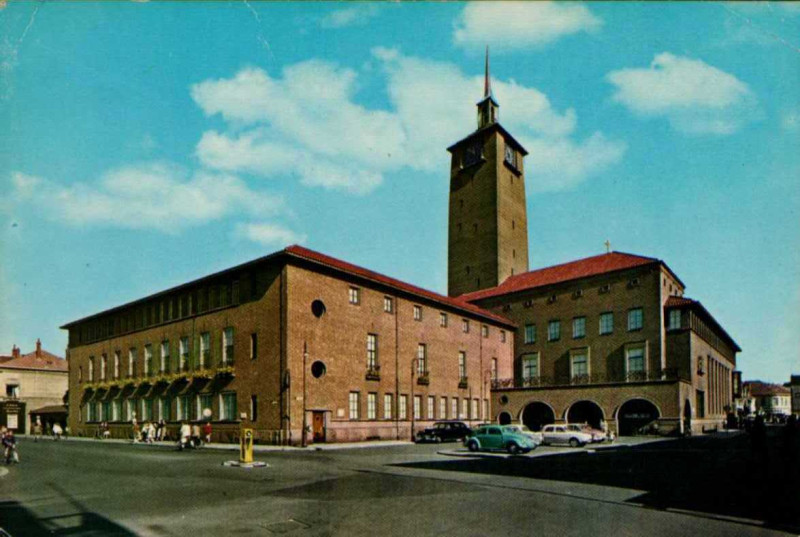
(298, 340)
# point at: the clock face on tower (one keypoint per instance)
(511, 156)
(473, 153)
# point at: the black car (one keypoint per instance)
(444, 431)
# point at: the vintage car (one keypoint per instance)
(444, 431)
(597, 434)
(496, 437)
(523, 429)
(560, 434)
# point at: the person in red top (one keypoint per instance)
(207, 432)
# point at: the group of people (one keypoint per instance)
(9, 443)
(193, 436)
(149, 432)
(38, 429)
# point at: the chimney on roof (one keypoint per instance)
(15, 351)
(38, 347)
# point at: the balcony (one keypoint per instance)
(424, 378)
(463, 383)
(670, 374)
(373, 372)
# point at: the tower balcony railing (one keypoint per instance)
(669, 374)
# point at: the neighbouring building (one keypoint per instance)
(292, 340)
(771, 400)
(607, 338)
(794, 387)
(29, 382)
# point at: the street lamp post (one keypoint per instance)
(487, 376)
(305, 424)
(414, 362)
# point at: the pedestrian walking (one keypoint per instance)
(160, 429)
(135, 429)
(10, 453)
(57, 431)
(37, 429)
(196, 435)
(185, 435)
(207, 432)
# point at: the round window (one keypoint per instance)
(503, 399)
(318, 369)
(318, 308)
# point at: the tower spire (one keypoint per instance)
(487, 82)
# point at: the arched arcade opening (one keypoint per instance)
(636, 416)
(537, 414)
(585, 412)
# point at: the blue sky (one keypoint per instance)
(144, 144)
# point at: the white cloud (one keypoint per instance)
(694, 96)
(511, 25)
(268, 234)
(308, 124)
(356, 15)
(154, 196)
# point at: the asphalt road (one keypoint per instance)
(685, 487)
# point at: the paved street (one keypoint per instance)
(700, 486)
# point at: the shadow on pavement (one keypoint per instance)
(721, 475)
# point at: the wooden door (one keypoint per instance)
(318, 426)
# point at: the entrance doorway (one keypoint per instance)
(585, 412)
(536, 415)
(636, 416)
(318, 425)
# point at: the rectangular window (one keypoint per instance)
(580, 365)
(103, 366)
(465, 326)
(164, 363)
(402, 407)
(417, 313)
(164, 407)
(387, 406)
(464, 408)
(442, 408)
(635, 319)
(372, 352)
(494, 369)
(635, 361)
(606, 323)
(205, 349)
(462, 365)
(502, 336)
(147, 409)
(417, 407)
(422, 359)
(474, 410)
(253, 346)
(530, 333)
(227, 407)
(204, 402)
(183, 407)
(132, 362)
(105, 408)
(388, 305)
(578, 327)
(372, 406)
(553, 330)
(354, 404)
(116, 364)
(431, 407)
(443, 320)
(148, 360)
(130, 409)
(253, 408)
(454, 408)
(116, 410)
(227, 346)
(184, 354)
(485, 415)
(354, 295)
(674, 319)
(530, 367)
(484, 330)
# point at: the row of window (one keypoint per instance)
(605, 326)
(421, 359)
(186, 359)
(354, 297)
(185, 407)
(458, 408)
(635, 362)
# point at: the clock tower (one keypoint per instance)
(488, 223)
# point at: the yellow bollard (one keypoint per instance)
(246, 446)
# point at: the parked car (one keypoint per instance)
(444, 431)
(596, 434)
(560, 434)
(523, 429)
(496, 437)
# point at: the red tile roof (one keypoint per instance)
(761, 389)
(44, 362)
(316, 257)
(677, 301)
(582, 268)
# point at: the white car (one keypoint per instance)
(560, 434)
(596, 434)
(523, 430)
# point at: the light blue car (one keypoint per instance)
(496, 437)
